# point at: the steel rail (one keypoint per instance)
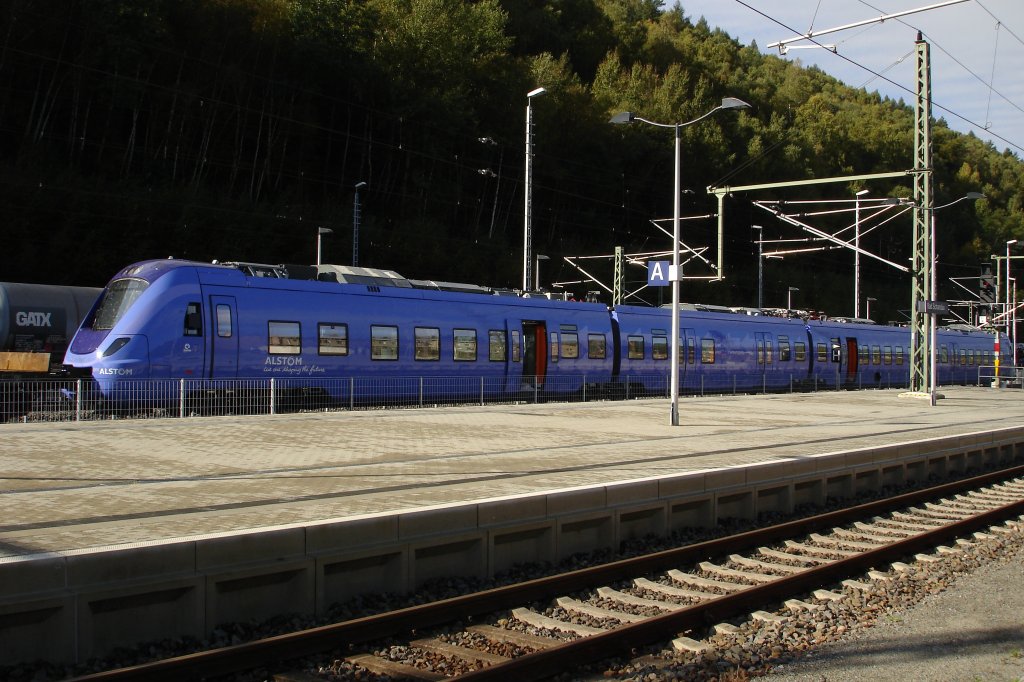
(293, 645)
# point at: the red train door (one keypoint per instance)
(852, 360)
(535, 353)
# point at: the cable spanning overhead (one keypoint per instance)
(902, 87)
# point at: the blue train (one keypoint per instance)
(324, 327)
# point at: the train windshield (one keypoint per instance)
(117, 299)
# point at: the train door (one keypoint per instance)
(513, 357)
(535, 354)
(852, 360)
(765, 349)
(688, 379)
(224, 348)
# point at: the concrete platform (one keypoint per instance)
(122, 531)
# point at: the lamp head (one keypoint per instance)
(861, 193)
(974, 195)
(324, 230)
(734, 103)
(360, 185)
(537, 92)
(623, 117)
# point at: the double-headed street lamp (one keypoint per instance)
(674, 274)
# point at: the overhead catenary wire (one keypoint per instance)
(900, 86)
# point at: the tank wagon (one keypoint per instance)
(36, 323)
(323, 327)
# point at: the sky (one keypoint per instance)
(977, 52)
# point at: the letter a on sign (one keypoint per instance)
(657, 273)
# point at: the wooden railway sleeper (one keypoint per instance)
(576, 606)
(633, 600)
(842, 542)
(764, 565)
(734, 573)
(882, 530)
(863, 536)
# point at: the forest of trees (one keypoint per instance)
(234, 129)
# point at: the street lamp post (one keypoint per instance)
(320, 232)
(789, 298)
(856, 253)
(357, 216)
(528, 188)
(536, 270)
(674, 273)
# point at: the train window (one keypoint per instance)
(768, 352)
(799, 351)
(515, 347)
(963, 357)
(333, 338)
(426, 343)
(876, 355)
(898, 353)
(822, 350)
(224, 320)
(464, 345)
(596, 346)
(887, 355)
(285, 338)
(117, 299)
(383, 342)
(784, 352)
(707, 351)
(193, 320)
(554, 346)
(570, 345)
(691, 351)
(635, 347)
(497, 349)
(944, 354)
(659, 347)
(862, 354)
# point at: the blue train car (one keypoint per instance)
(177, 319)
(372, 337)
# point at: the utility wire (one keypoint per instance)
(887, 80)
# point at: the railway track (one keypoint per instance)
(545, 626)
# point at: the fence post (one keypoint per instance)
(273, 390)
(181, 398)
(481, 390)
(584, 388)
(78, 400)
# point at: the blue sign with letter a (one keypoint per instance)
(658, 273)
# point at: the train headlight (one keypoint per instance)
(117, 345)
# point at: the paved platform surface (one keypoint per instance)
(79, 486)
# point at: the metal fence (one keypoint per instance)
(1003, 377)
(81, 399)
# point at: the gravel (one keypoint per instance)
(972, 631)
